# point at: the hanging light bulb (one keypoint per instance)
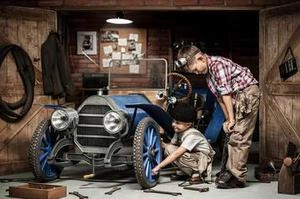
(119, 19)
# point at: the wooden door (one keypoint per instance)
(280, 103)
(28, 28)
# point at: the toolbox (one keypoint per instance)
(38, 191)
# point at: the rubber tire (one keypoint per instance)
(26, 72)
(138, 145)
(35, 153)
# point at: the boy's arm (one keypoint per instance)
(171, 158)
(223, 107)
(227, 100)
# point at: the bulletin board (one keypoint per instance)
(123, 44)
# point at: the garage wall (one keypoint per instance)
(158, 43)
(27, 28)
(157, 46)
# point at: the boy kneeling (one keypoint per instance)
(188, 149)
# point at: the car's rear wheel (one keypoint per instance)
(41, 146)
(147, 152)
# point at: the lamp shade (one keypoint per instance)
(119, 19)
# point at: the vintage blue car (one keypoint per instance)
(110, 131)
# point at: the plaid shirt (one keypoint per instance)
(226, 77)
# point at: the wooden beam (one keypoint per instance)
(14, 167)
(157, 8)
(37, 14)
(284, 89)
(286, 8)
(17, 128)
(262, 116)
(289, 130)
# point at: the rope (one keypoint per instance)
(26, 71)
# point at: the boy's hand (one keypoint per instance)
(225, 127)
(228, 126)
(155, 170)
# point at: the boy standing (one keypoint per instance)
(188, 149)
(238, 95)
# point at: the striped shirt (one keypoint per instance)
(226, 77)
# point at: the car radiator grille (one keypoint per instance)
(90, 129)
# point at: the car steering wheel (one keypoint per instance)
(179, 87)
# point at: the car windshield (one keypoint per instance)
(147, 73)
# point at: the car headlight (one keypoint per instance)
(114, 122)
(61, 119)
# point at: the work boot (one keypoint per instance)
(223, 176)
(179, 176)
(175, 177)
(233, 182)
(195, 179)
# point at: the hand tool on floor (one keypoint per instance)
(92, 175)
(105, 186)
(112, 190)
(162, 192)
(76, 193)
(200, 189)
(90, 183)
(5, 180)
(184, 183)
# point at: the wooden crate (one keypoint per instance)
(38, 191)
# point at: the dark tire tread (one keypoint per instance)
(138, 152)
(34, 152)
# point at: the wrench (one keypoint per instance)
(76, 193)
(106, 186)
(113, 190)
(162, 192)
(200, 189)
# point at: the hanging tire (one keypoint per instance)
(147, 152)
(43, 140)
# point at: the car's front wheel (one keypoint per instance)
(41, 146)
(147, 152)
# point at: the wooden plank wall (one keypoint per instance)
(27, 28)
(280, 107)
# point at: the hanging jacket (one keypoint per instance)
(57, 79)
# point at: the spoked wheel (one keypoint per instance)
(179, 87)
(41, 146)
(147, 152)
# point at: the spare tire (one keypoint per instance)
(26, 71)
